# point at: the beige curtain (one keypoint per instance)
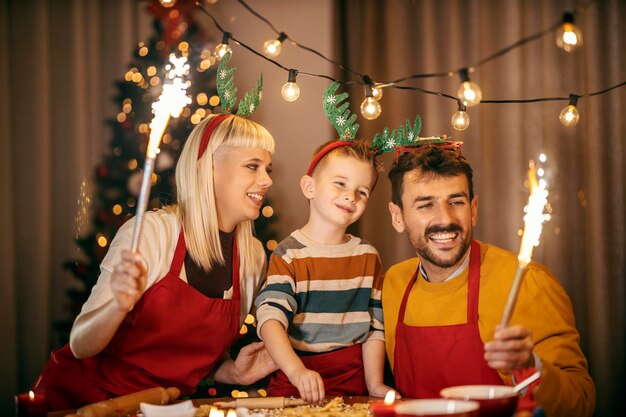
(58, 62)
(584, 243)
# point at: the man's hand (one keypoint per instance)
(510, 349)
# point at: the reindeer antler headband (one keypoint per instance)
(403, 139)
(227, 93)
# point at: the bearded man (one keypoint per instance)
(442, 309)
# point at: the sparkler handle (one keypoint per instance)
(142, 201)
(513, 292)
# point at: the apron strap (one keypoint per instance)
(179, 254)
(473, 283)
(235, 264)
(406, 297)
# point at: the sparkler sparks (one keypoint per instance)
(533, 220)
(171, 103)
(534, 217)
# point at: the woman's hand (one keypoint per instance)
(128, 280)
(309, 384)
(511, 349)
(253, 363)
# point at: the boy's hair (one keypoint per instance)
(197, 210)
(357, 149)
(432, 159)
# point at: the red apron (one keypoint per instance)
(429, 358)
(172, 337)
(342, 372)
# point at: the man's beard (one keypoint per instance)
(420, 244)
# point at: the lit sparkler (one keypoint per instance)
(171, 103)
(533, 220)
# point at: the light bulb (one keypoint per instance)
(290, 90)
(569, 115)
(569, 36)
(223, 48)
(370, 108)
(460, 120)
(469, 93)
(167, 3)
(271, 48)
(377, 91)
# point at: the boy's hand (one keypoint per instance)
(380, 390)
(309, 384)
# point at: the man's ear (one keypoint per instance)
(397, 220)
(474, 208)
(307, 185)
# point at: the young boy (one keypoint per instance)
(319, 313)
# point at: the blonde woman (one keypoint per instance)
(166, 315)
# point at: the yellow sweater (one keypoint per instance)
(543, 306)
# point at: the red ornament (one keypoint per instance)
(102, 171)
(174, 20)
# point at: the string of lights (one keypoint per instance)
(568, 37)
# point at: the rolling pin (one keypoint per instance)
(127, 404)
(261, 402)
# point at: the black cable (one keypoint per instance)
(400, 87)
(299, 45)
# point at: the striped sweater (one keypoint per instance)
(326, 296)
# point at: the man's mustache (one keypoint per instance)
(452, 227)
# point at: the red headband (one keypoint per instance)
(333, 145)
(208, 131)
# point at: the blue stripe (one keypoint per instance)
(334, 301)
(286, 312)
(284, 287)
(340, 334)
(275, 295)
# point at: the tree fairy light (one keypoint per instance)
(533, 221)
(171, 102)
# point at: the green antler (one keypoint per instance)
(226, 89)
(340, 117)
(228, 92)
(403, 136)
(251, 99)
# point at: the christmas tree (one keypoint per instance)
(118, 176)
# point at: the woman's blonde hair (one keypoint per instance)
(197, 209)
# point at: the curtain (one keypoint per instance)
(59, 60)
(584, 242)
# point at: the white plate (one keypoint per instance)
(182, 409)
